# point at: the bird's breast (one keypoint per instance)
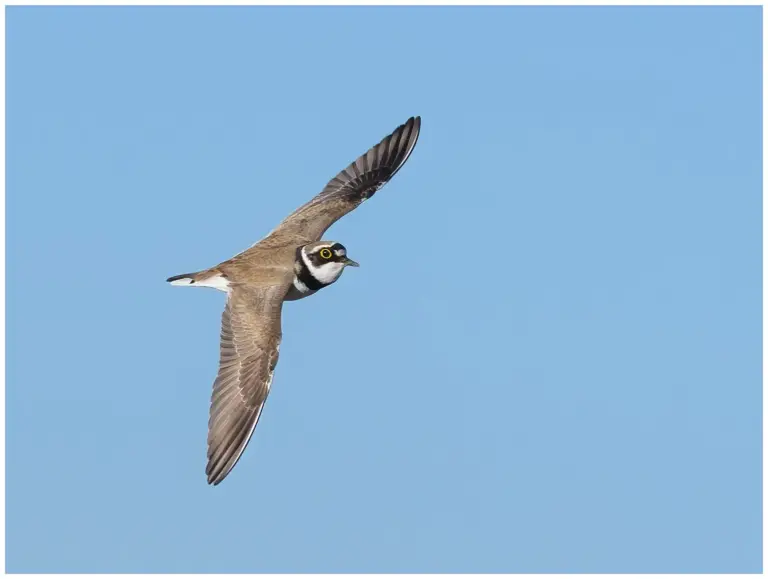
(298, 290)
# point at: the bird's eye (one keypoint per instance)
(326, 253)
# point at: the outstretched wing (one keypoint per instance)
(353, 185)
(250, 340)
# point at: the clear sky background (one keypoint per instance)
(549, 360)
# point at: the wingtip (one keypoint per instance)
(212, 477)
(413, 127)
(215, 472)
(216, 476)
(415, 121)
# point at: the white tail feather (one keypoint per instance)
(182, 281)
(215, 281)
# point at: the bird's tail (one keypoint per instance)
(184, 278)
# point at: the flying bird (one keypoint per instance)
(290, 263)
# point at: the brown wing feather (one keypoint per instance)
(250, 339)
(358, 182)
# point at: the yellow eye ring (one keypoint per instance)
(326, 253)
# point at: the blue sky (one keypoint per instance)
(548, 361)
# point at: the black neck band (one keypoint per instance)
(304, 274)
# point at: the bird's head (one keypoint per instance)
(325, 260)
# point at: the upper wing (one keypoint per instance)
(250, 340)
(353, 185)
